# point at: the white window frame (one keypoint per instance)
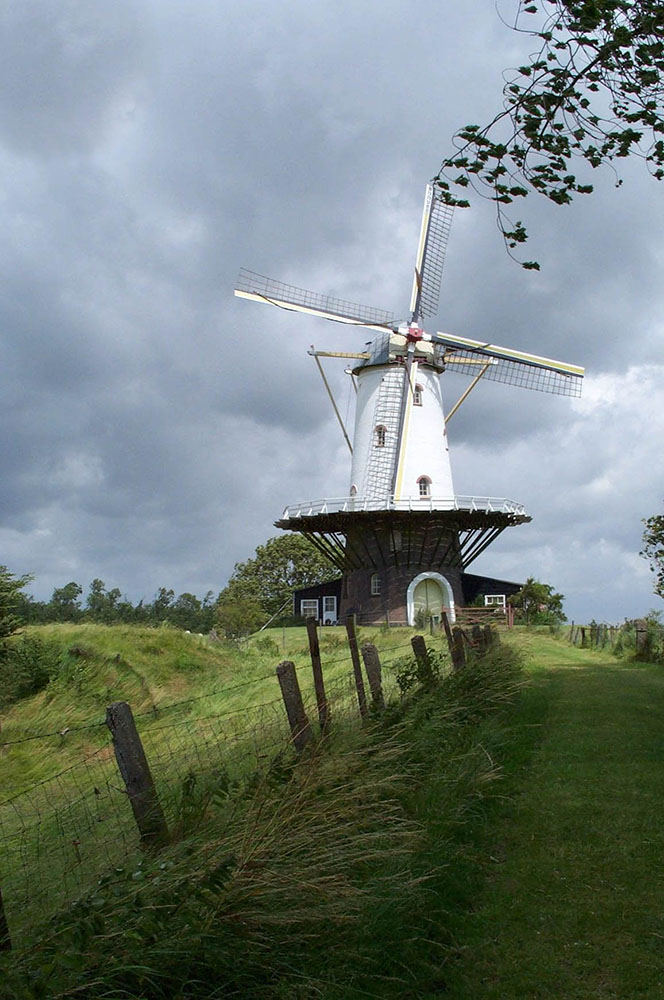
(309, 607)
(380, 436)
(495, 600)
(418, 393)
(330, 613)
(375, 585)
(424, 487)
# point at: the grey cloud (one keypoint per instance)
(66, 73)
(153, 426)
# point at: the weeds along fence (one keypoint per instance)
(593, 636)
(641, 637)
(147, 778)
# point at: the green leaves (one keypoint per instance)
(592, 55)
(653, 549)
(11, 588)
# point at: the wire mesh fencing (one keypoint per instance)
(59, 836)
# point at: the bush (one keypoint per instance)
(26, 667)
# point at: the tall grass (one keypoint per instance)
(331, 877)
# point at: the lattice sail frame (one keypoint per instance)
(434, 234)
(460, 354)
(518, 373)
(278, 293)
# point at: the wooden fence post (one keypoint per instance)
(136, 775)
(372, 666)
(459, 654)
(451, 644)
(422, 656)
(641, 638)
(478, 639)
(490, 637)
(297, 717)
(357, 666)
(319, 686)
(5, 939)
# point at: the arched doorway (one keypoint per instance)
(432, 594)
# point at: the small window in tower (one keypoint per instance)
(424, 484)
(375, 585)
(381, 434)
(417, 395)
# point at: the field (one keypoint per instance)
(494, 836)
(206, 712)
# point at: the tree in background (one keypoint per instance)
(11, 588)
(108, 607)
(538, 604)
(591, 92)
(653, 549)
(102, 605)
(279, 567)
(65, 603)
(239, 616)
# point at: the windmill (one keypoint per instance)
(402, 538)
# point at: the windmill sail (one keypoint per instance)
(277, 293)
(529, 371)
(434, 233)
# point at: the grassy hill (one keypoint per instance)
(273, 865)
(484, 837)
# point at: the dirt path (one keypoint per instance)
(574, 907)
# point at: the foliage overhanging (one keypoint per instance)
(592, 91)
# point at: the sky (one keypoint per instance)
(154, 426)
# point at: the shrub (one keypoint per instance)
(27, 665)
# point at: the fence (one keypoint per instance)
(143, 779)
(596, 636)
(466, 617)
(644, 637)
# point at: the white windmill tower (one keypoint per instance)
(402, 537)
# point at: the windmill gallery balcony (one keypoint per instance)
(358, 504)
(375, 532)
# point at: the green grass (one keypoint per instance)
(333, 878)
(209, 715)
(573, 904)
(485, 843)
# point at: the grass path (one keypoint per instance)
(573, 908)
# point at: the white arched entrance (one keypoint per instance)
(433, 591)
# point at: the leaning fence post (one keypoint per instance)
(372, 666)
(136, 775)
(422, 656)
(297, 717)
(357, 666)
(5, 939)
(451, 644)
(319, 686)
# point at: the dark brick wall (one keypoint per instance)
(356, 597)
(397, 560)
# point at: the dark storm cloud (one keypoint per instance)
(153, 426)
